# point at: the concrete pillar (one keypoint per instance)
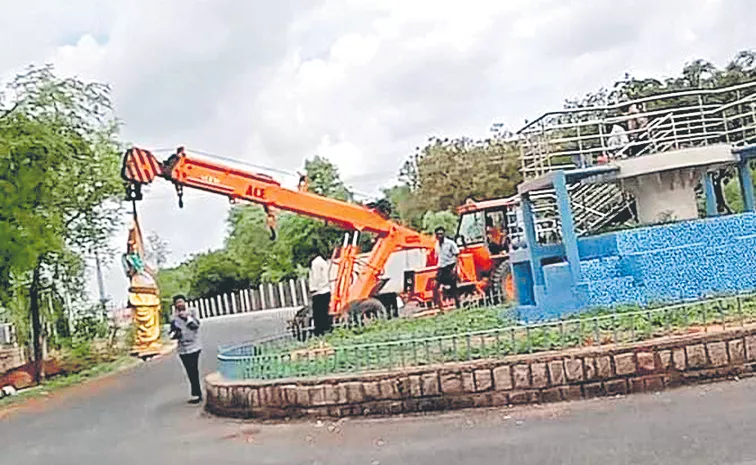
(263, 304)
(746, 185)
(569, 237)
(711, 198)
(234, 306)
(531, 241)
(665, 196)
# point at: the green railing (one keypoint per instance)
(280, 357)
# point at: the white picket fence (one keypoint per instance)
(284, 294)
(7, 334)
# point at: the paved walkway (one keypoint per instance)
(141, 417)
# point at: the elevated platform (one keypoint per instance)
(674, 160)
(590, 167)
(664, 184)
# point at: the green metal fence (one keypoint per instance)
(280, 357)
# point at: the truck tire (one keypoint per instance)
(389, 303)
(498, 287)
(301, 324)
(359, 310)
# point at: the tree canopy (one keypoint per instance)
(59, 188)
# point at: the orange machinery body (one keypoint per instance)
(475, 264)
(140, 167)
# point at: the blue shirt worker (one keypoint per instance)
(447, 253)
(185, 328)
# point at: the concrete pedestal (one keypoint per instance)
(663, 184)
(665, 196)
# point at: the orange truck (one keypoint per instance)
(359, 278)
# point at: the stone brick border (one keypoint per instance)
(584, 373)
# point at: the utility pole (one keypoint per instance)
(101, 285)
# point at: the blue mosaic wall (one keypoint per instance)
(686, 260)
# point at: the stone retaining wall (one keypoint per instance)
(543, 377)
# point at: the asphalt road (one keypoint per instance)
(141, 416)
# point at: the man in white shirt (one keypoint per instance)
(447, 252)
(320, 292)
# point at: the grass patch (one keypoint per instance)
(471, 334)
(456, 321)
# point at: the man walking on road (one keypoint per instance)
(320, 290)
(447, 252)
(185, 328)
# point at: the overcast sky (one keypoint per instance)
(362, 82)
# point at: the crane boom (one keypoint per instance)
(141, 167)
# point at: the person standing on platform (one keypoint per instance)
(320, 292)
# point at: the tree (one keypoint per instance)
(248, 240)
(445, 219)
(157, 249)
(59, 180)
(215, 272)
(324, 179)
(405, 206)
(173, 281)
(445, 172)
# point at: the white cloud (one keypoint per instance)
(362, 82)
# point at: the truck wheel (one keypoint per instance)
(360, 310)
(301, 323)
(389, 303)
(499, 277)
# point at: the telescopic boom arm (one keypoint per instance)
(140, 167)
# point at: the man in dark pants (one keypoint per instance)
(447, 252)
(320, 293)
(185, 327)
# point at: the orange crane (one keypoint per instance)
(141, 167)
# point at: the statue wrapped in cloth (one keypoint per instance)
(144, 296)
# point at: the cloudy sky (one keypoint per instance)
(361, 82)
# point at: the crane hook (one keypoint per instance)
(180, 193)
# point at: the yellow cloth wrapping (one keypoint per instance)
(146, 308)
(144, 300)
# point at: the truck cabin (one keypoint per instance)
(485, 223)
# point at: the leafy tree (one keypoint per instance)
(324, 179)
(406, 207)
(157, 249)
(216, 272)
(172, 281)
(446, 219)
(248, 240)
(59, 183)
(445, 172)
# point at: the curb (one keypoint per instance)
(544, 377)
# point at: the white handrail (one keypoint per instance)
(652, 98)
